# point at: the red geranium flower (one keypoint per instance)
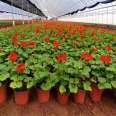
(32, 44)
(89, 57)
(83, 55)
(14, 38)
(109, 47)
(47, 40)
(56, 44)
(20, 68)
(61, 57)
(12, 56)
(24, 44)
(36, 30)
(105, 58)
(86, 56)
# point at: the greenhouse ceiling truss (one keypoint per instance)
(25, 5)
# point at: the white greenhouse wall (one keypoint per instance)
(101, 14)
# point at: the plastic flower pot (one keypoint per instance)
(96, 93)
(3, 94)
(79, 98)
(21, 97)
(63, 98)
(43, 96)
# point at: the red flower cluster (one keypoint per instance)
(56, 44)
(12, 56)
(24, 43)
(108, 47)
(36, 30)
(28, 43)
(105, 58)
(61, 57)
(32, 44)
(47, 40)
(20, 68)
(86, 56)
(14, 39)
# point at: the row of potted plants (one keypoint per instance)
(22, 97)
(71, 61)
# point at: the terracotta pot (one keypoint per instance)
(21, 97)
(3, 94)
(63, 99)
(79, 98)
(96, 93)
(43, 96)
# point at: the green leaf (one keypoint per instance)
(62, 89)
(113, 83)
(101, 79)
(78, 64)
(46, 86)
(87, 86)
(16, 85)
(104, 86)
(73, 88)
(4, 76)
(86, 71)
(110, 76)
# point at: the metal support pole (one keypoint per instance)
(13, 22)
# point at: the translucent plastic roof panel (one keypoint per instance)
(25, 5)
(10, 9)
(55, 8)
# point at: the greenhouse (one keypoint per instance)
(57, 57)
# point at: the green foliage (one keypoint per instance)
(42, 68)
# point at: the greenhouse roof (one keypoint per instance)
(57, 8)
(25, 5)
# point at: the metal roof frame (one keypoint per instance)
(25, 5)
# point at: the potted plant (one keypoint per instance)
(97, 81)
(83, 74)
(63, 94)
(47, 85)
(4, 76)
(21, 84)
(80, 95)
(45, 76)
(41, 74)
(102, 72)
